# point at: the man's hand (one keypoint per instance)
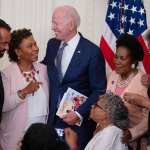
(71, 118)
(126, 136)
(71, 138)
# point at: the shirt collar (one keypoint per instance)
(73, 42)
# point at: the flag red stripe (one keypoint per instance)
(146, 60)
(107, 52)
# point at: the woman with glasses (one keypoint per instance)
(112, 116)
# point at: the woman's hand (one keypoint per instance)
(126, 137)
(32, 87)
(71, 138)
(137, 99)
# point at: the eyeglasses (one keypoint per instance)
(96, 105)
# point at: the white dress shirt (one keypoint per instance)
(68, 52)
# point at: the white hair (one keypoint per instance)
(70, 12)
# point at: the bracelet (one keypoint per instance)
(20, 94)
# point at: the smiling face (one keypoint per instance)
(123, 61)
(28, 50)
(5, 37)
(63, 25)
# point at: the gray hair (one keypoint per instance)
(115, 109)
(70, 12)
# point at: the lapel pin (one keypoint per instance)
(78, 52)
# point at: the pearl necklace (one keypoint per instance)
(124, 83)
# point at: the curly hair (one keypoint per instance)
(115, 108)
(17, 38)
(133, 46)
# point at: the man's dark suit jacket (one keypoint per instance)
(1, 96)
(85, 74)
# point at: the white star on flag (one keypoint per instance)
(141, 22)
(132, 20)
(133, 9)
(113, 4)
(130, 32)
(126, 7)
(111, 16)
(141, 11)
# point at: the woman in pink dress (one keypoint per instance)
(25, 88)
(127, 78)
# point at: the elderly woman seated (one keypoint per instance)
(111, 117)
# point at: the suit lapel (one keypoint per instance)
(75, 61)
(54, 68)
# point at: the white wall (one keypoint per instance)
(36, 14)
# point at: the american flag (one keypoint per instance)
(124, 16)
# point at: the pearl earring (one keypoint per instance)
(133, 66)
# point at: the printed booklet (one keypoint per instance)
(71, 101)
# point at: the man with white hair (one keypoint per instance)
(5, 37)
(73, 61)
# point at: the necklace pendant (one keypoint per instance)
(27, 79)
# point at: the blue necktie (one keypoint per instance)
(58, 60)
